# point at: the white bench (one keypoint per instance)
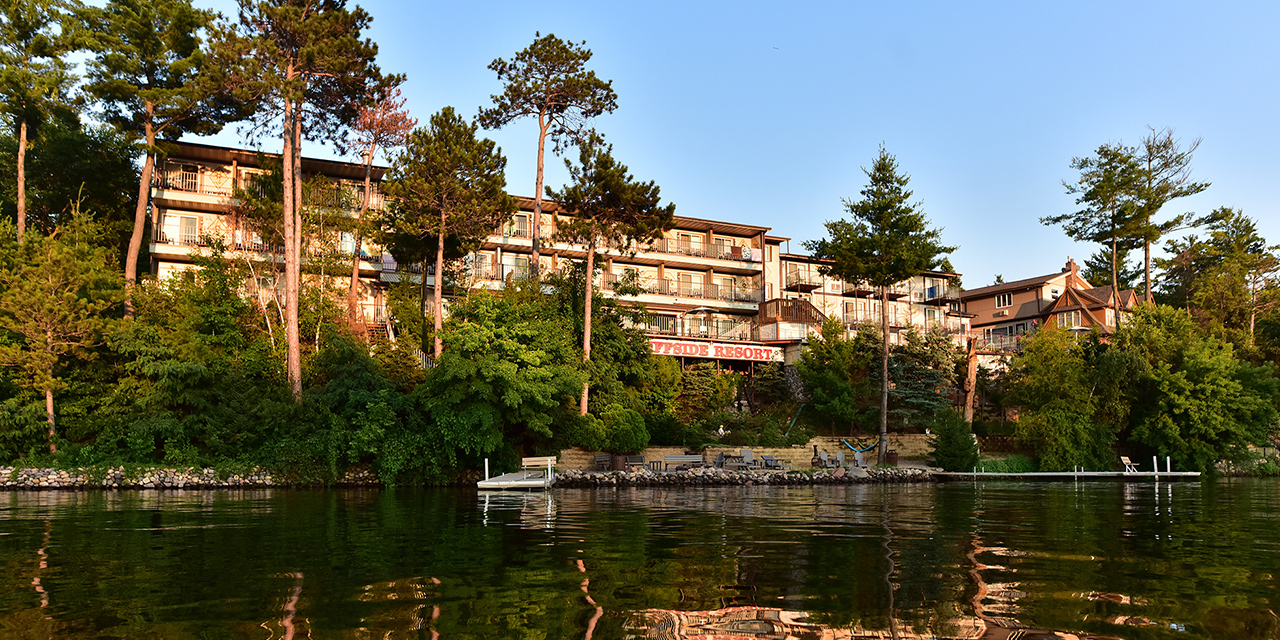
(538, 467)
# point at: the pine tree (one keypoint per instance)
(151, 75)
(1105, 187)
(54, 292)
(35, 35)
(606, 207)
(447, 183)
(886, 240)
(549, 79)
(1164, 175)
(305, 65)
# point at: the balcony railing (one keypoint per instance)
(715, 328)
(704, 291)
(802, 280)
(217, 182)
(941, 294)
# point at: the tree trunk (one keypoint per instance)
(422, 305)
(139, 214)
(1115, 270)
(48, 410)
(292, 257)
(22, 177)
(1146, 260)
(586, 327)
(970, 379)
(352, 316)
(437, 306)
(534, 263)
(883, 450)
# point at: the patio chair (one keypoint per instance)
(840, 459)
(748, 459)
(719, 463)
(770, 462)
(824, 460)
(1129, 467)
(858, 459)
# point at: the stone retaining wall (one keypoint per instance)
(152, 478)
(910, 446)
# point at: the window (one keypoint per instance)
(346, 243)
(188, 230)
(1004, 300)
(1069, 319)
(1020, 328)
(520, 226)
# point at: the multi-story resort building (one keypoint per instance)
(1003, 314)
(716, 290)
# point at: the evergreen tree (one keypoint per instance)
(549, 80)
(447, 183)
(1097, 269)
(1164, 176)
(149, 71)
(887, 241)
(35, 35)
(54, 292)
(607, 208)
(304, 64)
(1105, 188)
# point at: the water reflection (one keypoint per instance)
(1088, 560)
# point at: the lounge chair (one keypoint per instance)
(1129, 467)
(840, 459)
(770, 462)
(748, 459)
(858, 459)
(719, 463)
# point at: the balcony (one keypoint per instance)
(214, 181)
(713, 329)
(896, 320)
(802, 281)
(942, 295)
(704, 291)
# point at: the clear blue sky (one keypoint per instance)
(764, 113)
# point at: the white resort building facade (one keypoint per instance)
(715, 290)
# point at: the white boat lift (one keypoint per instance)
(1130, 473)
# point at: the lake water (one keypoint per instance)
(961, 560)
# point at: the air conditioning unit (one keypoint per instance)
(1000, 314)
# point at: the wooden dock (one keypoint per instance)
(517, 480)
(1134, 476)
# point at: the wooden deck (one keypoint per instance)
(517, 480)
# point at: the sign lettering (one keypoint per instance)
(714, 350)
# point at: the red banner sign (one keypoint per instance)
(715, 350)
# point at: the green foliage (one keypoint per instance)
(952, 445)
(71, 164)
(549, 79)
(624, 430)
(837, 373)
(1097, 269)
(509, 367)
(1054, 385)
(35, 37)
(54, 292)
(1015, 463)
(703, 391)
(1191, 398)
(922, 368)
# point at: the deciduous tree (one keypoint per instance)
(446, 182)
(381, 126)
(886, 240)
(149, 71)
(549, 80)
(35, 35)
(304, 63)
(607, 207)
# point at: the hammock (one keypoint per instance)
(869, 447)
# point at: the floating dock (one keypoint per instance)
(1136, 476)
(518, 480)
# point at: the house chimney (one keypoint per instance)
(1071, 266)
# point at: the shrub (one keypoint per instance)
(624, 430)
(952, 445)
(1013, 464)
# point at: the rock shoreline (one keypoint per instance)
(575, 479)
(12, 478)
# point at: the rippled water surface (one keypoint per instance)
(961, 560)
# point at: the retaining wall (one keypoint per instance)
(910, 446)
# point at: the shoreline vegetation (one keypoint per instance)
(252, 360)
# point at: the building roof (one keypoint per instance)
(1025, 283)
(211, 153)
